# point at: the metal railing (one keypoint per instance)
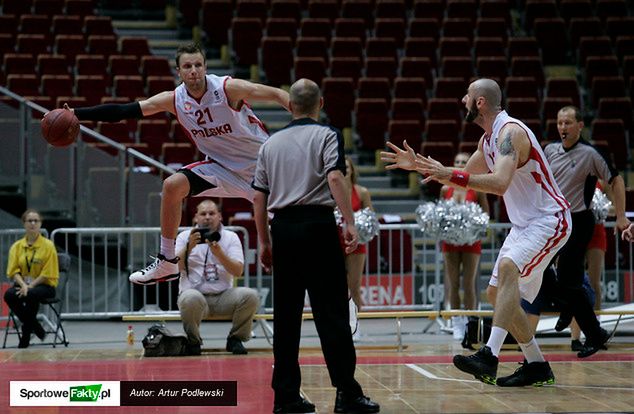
(81, 182)
(404, 271)
(98, 285)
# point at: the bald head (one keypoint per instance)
(305, 98)
(489, 90)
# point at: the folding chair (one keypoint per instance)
(52, 325)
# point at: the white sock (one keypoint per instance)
(496, 339)
(532, 352)
(168, 247)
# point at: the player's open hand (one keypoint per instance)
(266, 256)
(404, 159)
(432, 170)
(351, 238)
(627, 234)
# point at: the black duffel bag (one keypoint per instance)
(160, 342)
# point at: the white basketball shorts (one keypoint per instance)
(226, 183)
(532, 248)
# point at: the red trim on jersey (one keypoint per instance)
(560, 233)
(254, 120)
(224, 88)
(180, 124)
(197, 163)
(534, 155)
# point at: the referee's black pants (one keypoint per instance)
(570, 273)
(307, 256)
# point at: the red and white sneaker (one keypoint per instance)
(160, 270)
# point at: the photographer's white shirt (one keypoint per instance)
(206, 274)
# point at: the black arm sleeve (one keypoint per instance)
(110, 112)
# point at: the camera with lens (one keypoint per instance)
(207, 235)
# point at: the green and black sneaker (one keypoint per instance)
(535, 374)
(483, 365)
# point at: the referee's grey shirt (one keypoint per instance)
(293, 164)
(576, 170)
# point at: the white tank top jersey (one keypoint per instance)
(533, 192)
(230, 137)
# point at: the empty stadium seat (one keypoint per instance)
(216, 18)
(277, 59)
(339, 95)
(371, 117)
(410, 88)
(246, 34)
(310, 68)
(52, 65)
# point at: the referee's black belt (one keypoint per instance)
(303, 211)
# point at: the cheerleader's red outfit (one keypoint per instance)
(356, 206)
(476, 247)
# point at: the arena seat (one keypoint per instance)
(410, 130)
(371, 116)
(346, 67)
(405, 87)
(281, 27)
(316, 27)
(381, 67)
(326, 9)
(445, 131)
(123, 65)
(374, 88)
(458, 27)
(413, 67)
(310, 68)
(424, 27)
(215, 21)
(277, 59)
(583, 26)
(408, 109)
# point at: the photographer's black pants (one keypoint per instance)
(307, 256)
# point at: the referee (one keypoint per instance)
(576, 166)
(300, 170)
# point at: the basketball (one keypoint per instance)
(60, 127)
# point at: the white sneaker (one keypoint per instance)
(459, 327)
(160, 270)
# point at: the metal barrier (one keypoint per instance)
(404, 271)
(81, 182)
(98, 285)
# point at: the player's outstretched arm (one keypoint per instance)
(238, 90)
(163, 101)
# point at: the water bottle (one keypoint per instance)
(130, 336)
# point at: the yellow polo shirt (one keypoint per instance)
(33, 261)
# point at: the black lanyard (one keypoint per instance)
(26, 259)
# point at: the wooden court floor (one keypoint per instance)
(419, 380)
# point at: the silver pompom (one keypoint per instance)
(338, 217)
(428, 219)
(367, 224)
(600, 206)
(455, 223)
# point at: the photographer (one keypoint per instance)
(210, 257)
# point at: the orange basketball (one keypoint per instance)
(60, 127)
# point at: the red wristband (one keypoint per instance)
(460, 178)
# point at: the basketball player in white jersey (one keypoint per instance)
(508, 162)
(215, 114)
